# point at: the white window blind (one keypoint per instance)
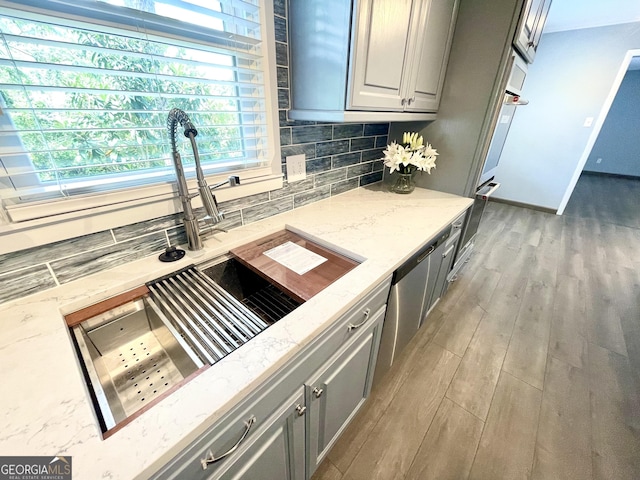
(85, 88)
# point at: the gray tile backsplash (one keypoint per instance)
(143, 228)
(92, 261)
(307, 134)
(371, 178)
(279, 8)
(332, 148)
(348, 130)
(344, 186)
(42, 255)
(346, 159)
(311, 196)
(358, 170)
(331, 176)
(24, 282)
(318, 165)
(268, 209)
(339, 158)
(364, 143)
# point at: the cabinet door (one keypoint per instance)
(446, 263)
(336, 394)
(433, 27)
(380, 37)
(534, 16)
(278, 452)
(432, 280)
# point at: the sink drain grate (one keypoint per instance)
(270, 304)
(140, 371)
(210, 320)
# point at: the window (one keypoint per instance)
(86, 85)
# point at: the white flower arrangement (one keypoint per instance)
(413, 155)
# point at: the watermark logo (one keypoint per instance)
(35, 468)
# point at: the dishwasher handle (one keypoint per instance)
(426, 254)
(420, 256)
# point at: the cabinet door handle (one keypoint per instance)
(300, 409)
(412, 99)
(403, 102)
(457, 225)
(211, 458)
(318, 392)
(366, 317)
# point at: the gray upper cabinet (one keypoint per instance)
(532, 20)
(369, 60)
(435, 26)
(382, 40)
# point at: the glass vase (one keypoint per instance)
(403, 184)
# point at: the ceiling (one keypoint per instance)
(574, 14)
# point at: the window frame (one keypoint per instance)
(42, 222)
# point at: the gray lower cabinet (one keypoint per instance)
(283, 429)
(446, 262)
(258, 442)
(278, 452)
(338, 390)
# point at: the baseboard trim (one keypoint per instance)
(613, 175)
(524, 205)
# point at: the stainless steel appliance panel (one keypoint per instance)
(411, 290)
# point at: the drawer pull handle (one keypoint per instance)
(366, 317)
(318, 392)
(210, 458)
(300, 409)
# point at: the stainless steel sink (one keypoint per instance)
(132, 355)
(257, 294)
(136, 352)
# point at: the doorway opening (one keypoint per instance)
(598, 124)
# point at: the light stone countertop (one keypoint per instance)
(45, 406)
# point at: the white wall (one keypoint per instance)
(618, 143)
(569, 81)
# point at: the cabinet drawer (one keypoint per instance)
(357, 318)
(240, 428)
(277, 453)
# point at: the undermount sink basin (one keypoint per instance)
(260, 296)
(139, 347)
(131, 357)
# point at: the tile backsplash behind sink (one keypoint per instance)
(340, 157)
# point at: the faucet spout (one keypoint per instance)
(214, 216)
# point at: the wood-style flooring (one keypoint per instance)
(608, 198)
(528, 368)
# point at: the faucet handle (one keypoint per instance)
(232, 181)
(210, 203)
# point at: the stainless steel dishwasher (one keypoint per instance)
(411, 290)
